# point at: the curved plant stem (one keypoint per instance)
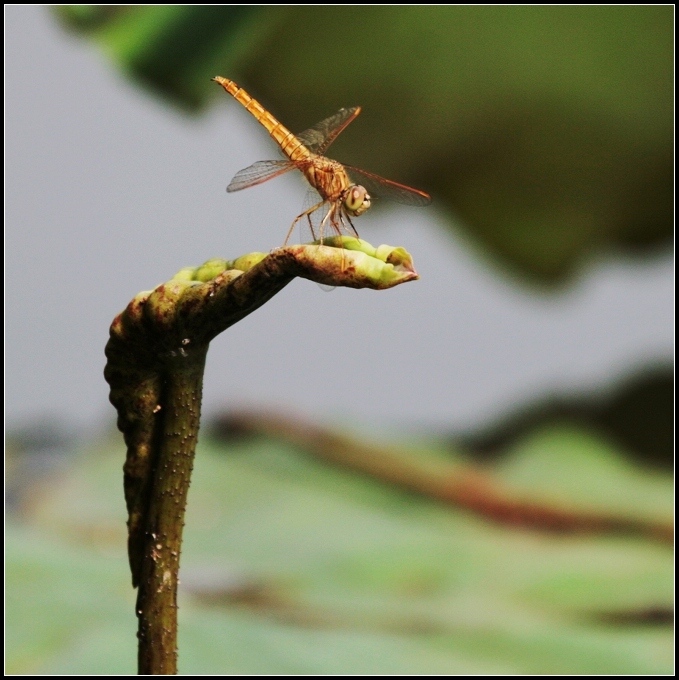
(156, 358)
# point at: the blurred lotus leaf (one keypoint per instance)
(548, 130)
(295, 566)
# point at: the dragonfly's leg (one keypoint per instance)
(311, 227)
(344, 223)
(307, 214)
(287, 238)
(330, 214)
(351, 224)
(341, 224)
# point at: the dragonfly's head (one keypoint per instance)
(356, 200)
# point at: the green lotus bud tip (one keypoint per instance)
(351, 262)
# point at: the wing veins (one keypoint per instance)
(261, 171)
(319, 137)
(380, 187)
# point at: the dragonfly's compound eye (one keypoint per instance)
(357, 200)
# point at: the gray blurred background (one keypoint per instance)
(109, 191)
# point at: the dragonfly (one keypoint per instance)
(345, 191)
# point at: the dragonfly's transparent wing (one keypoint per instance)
(258, 172)
(378, 187)
(313, 211)
(323, 134)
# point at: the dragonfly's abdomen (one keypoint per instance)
(290, 145)
(328, 177)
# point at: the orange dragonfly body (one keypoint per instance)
(341, 197)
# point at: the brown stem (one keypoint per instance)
(177, 436)
(156, 357)
(462, 486)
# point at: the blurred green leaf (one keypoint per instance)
(172, 49)
(562, 461)
(292, 566)
(548, 130)
(67, 607)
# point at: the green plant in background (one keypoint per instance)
(291, 565)
(548, 130)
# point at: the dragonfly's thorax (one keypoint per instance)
(328, 177)
(331, 181)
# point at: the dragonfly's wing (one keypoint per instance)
(378, 187)
(313, 210)
(323, 134)
(258, 172)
